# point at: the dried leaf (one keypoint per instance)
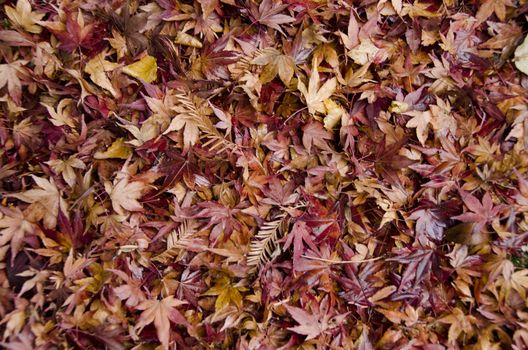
(23, 16)
(97, 68)
(161, 313)
(146, 69)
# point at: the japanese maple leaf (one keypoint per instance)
(420, 121)
(124, 194)
(130, 290)
(490, 6)
(278, 193)
(315, 134)
(161, 312)
(269, 14)
(10, 74)
(480, 213)
(221, 217)
(299, 233)
(228, 293)
(77, 33)
(459, 323)
(132, 27)
(519, 282)
(14, 227)
(46, 201)
(214, 59)
(315, 95)
(463, 263)
(66, 168)
(97, 68)
(312, 325)
(61, 115)
(191, 132)
(505, 35)
(419, 263)
(275, 63)
(428, 224)
(309, 324)
(388, 159)
(22, 16)
(521, 197)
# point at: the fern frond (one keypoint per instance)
(176, 241)
(213, 137)
(264, 243)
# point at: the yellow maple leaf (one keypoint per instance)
(97, 68)
(118, 150)
(187, 40)
(145, 69)
(334, 112)
(22, 16)
(420, 121)
(315, 95)
(227, 293)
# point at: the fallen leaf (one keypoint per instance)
(161, 312)
(46, 200)
(10, 74)
(118, 149)
(420, 121)
(309, 324)
(269, 14)
(334, 112)
(124, 194)
(363, 53)
(521, 57)
(315, 95)
(23, 16)
(97, 68)
(145, 69)
(61, 116)
(14, 228)
(188, 40)
(66, 168)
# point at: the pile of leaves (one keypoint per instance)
(263, 174)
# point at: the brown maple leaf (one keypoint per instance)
(269, 14)
(490, 6)
(314, 134)
(312, 325)
(45, 201)
(10, 74)
(161, 312)
(124, 194)
(14, 227)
